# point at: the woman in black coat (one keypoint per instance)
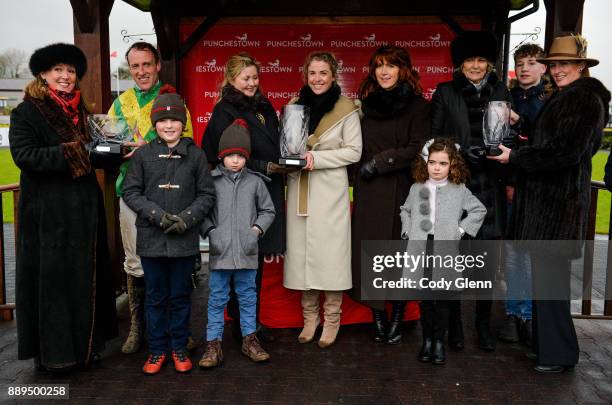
(553, 196)
(394, 127)
(64, 297)
(456, 111)
(241, 98)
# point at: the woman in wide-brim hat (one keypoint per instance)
(553, 198)
(64, 297)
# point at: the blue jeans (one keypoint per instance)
(518, 282)
(244, 285)
(168, 301)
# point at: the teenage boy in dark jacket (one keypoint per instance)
(528, 96)
(242, 213)
(169, 187)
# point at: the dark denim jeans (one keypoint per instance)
(244, 286)
(168, 301)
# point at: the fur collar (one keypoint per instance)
(383, 103)
(593, 85)
(320, 104)
(462, 83)
(257, 103)
(72, 137)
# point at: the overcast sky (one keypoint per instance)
(30, 24)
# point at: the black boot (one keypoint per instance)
(510, 331)
(380, 325)
(438, 356)
(486, 340)
(395, 330)
(264, 335)
(236, 331)
(527, 333)
(455, 326)
(426, 349)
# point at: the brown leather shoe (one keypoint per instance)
(213, 356)
(253, 350)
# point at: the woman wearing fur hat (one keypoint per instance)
(242, 98)
(394, 127)
(457, 111)
(64, 296)
(553, 198)
(318, 258)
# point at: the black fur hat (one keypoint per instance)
(474, 43)
(45, 58)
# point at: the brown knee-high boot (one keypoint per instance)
(331, 308)
(136, 297)
(310, 310)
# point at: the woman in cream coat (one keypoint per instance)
(318, 256)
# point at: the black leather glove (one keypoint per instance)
(476, 154)
(510, 140)
(272, 168)
(179, 226)
(368, 170)
(167, 220)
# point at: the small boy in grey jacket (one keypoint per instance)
(242, 213)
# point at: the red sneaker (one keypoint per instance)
(154, 363)
(182, 363)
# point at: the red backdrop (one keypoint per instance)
(281, 49)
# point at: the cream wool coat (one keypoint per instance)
(318, 252)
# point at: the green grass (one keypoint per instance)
(9, 173)
(603, 198)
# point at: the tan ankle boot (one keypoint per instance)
(310, 310)
(136, 297)
(331, 308)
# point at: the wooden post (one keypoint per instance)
(562, 16)
(91, 35)
(166, 24)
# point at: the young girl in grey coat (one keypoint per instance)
(439, 207)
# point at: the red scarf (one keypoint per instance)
(69, 102)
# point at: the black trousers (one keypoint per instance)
(483, 305)
(434, 318)
(435, 312)
(554, 335)
(232, 305)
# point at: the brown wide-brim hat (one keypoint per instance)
(570, 48)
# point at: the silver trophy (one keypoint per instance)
(109, 133)
(294, 135)
(496, 125)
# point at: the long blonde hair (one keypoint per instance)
(236, 64)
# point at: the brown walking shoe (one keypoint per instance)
(253, 350)
(213, 356)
